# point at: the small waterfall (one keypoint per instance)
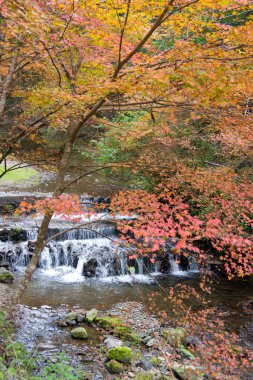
(173, 264)
(32, 234)
(140, 265)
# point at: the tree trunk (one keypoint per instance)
(40, 243)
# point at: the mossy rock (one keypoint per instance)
(114, 367)
(91, 315)
(125, 332)
(79, 333)
(122, 330)
(188, 372)
(144, 376)
(109, 323)
(131, 337)
(174, 337)
(6, 277)
(121, 354)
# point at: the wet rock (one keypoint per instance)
(79, 333)
(114, 367)
(174, 337)
(111, 342)
(17, 235)
(31, 246)
(80, 318)
(89, 269)
(91, 315)
(6, 277)
(4, 235)
(4, 264)
(188, 372)
(145, 364)
(121, 354)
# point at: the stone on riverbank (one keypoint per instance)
(121, 354)
(91, 315)
(114, 367)
(111, 342)
(79, 333)
(6, 277)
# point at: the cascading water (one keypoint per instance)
(81, 253)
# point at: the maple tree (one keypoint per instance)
(183, 69)
(92, 58)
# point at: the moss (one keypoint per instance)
(79, 333)
(109, 323)
(91, 315)
(125, 332)
(144, 376)
(114, 367)
(122, 330)
(121, 354)
(155, 361)
(6, 277)
(133, 338)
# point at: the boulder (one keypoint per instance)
(114, 367)
(121, 354)
(91, 315)
(79, 333)
(6, 277)
(89, 269)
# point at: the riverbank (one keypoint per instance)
(122, 342)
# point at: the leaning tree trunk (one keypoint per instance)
(40, 242)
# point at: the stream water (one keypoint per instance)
(81, 268)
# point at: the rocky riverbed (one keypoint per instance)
(125, 341)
